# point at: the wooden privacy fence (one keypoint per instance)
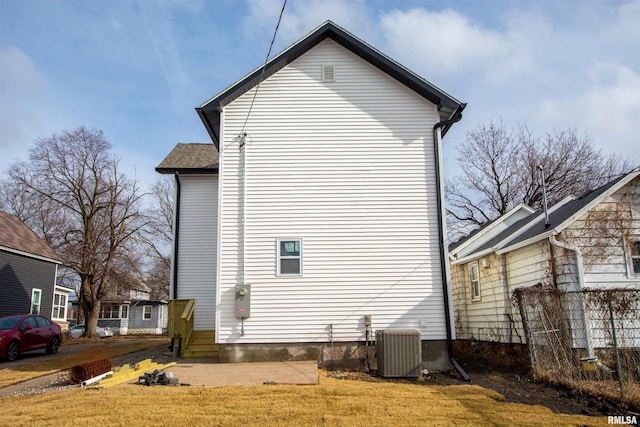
(588, 340)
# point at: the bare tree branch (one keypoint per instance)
(500, 170)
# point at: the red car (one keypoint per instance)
(26, 332)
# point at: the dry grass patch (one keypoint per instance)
(333, 402)
(10, 376)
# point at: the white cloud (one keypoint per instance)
(627, 25)
(22, 89)
(607, 108)
(300, 17)
(445, 42)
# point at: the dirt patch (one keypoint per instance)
(517, 385)
(505, 368)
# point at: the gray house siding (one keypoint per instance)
(157, 322)
(19, 275)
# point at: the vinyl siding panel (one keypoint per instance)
(485, 319)
(19, 275)
(604, 235)
(349, 168)
(197, 253)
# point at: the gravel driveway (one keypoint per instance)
(59, 381)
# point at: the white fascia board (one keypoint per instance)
(500, 246)
(491, 227)
(566, 223)
(30, 255)
(473, 256)
(597, 200)
(534, 239)
(63, 290)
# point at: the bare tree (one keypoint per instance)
(161, 214)
(88, 209)
(500, 170)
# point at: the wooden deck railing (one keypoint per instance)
(181, 321)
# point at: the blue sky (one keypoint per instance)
(137, 69)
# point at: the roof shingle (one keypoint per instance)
(14, 234)
(190, 158)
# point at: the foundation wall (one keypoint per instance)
(341, 356)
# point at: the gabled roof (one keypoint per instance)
(490, 229)
(209, 112)
(562, 217)
(16, 237)
(532, 228)
(190, 158)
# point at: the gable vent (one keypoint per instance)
(328, 73)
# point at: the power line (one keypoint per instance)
(264, 66)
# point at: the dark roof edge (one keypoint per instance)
(213, 106)
(208, 127)
(187, 171)
(349, 41)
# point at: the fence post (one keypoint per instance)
(615, 346)
(519, 293)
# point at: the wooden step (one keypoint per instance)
(204, 334)
(200, 354)
(201, 345)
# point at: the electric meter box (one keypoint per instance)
(243, 301)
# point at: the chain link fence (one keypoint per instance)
(589, 340)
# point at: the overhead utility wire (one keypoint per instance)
(264, 67)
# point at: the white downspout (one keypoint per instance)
(580, 274)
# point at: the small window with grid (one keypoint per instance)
(635, 257)
(474, 281)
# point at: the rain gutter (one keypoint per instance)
(437, 132)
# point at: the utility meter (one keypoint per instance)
(243, 301)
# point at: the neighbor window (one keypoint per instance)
(124, 312)
(474, 281)
(635, 257)
(109, 311)
(146, 312)
(59, 306)
(289, 257)
(36, 298)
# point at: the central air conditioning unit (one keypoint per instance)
(399, 353)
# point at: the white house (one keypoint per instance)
(591, 242)
(321, 198)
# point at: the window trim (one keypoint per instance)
(59, 306)
(474, 290)
(144, 312)
(112, 312)
(633, 245)
(279, 257)
(39, 305)
(123, 308)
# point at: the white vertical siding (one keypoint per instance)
(198, 246)
(347, 166)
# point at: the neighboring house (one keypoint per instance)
(28, 273)
(590, 242)
(132, 312)
(321, 197)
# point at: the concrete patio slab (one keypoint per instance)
(202, 372)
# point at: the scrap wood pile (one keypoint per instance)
(100, 374)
